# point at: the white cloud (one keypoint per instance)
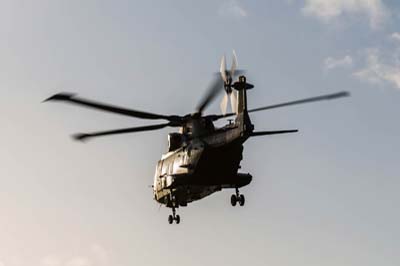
(395, 36)
(332, 63)
(232, 8)
(79, 261)
(380, 71)
(328, 10)
(50, 261)
(101, 255)
(97, 255)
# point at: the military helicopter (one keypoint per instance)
(201, 158)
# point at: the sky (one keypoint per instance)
(325, 196)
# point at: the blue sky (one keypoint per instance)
(326, 196)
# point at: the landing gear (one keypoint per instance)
(241, 200)
(173, 204)
(237, 198)
(233, 200)
(174, 217)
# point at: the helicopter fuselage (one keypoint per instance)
(201, 166)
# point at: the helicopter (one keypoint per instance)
(201, 159)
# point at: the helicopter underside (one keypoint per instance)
(185, 194)
(216, 169)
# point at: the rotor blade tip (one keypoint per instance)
(341, 94)
(80, 137)
(60, 97)
(234, 55)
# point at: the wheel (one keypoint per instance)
(177, 219)
(233, 200)
(241, 200)
(170, 219)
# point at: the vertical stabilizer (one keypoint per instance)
(242, 119)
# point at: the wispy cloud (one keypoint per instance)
(395, 36)
(79, 261)
(328, 10)
(50, 260)
(96, 256)
(380, 69)
(232, 8)
(100, 254)
(332, 63)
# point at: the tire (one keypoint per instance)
(241, 200)
(177, 219)
(233, 200)
(170, 219)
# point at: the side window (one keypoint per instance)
(164, 170)
(184, 156)
(159, 168)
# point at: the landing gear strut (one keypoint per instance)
(237, 198)
(174, 217)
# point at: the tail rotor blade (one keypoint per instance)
(234, 64)
(222, 69)
(234, 102)
(224, 104)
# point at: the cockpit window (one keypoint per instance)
(174, 141)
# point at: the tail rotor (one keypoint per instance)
(227, 76)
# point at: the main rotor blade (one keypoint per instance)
(85, 136)
(71, 98)
(212, 92)
(307, 100)
(264, 133)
